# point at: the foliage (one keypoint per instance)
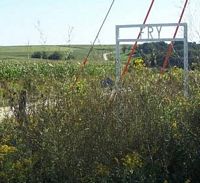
(39, 55)
(55, 56)
(43, 55)
(36, 55)
(75, 132)
(195, 66)
(70, 56)
(154, 53)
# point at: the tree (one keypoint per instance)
(55, 56)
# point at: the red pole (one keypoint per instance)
(85, 60)
(170, 47)
(92, 46)
(125, 70)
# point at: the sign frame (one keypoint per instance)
(151, 39)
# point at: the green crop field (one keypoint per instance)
(65, 126)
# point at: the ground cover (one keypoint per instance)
(75, 132)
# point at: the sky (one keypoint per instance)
(50, 21)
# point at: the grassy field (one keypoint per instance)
(67, 131)
(79, 51)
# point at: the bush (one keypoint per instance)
(44, 55)
(145, 134)
(39, 55)
(55, 56)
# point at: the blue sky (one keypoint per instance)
(19, 18)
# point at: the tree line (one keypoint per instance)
(154, 53)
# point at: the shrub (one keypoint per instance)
(39, 54)
(44, 55)
(55, 56)
(146, 134)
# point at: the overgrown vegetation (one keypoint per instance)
(60, 132)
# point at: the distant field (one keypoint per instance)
(79, 51)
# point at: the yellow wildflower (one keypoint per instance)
(174, 125)
(132, 161)
(5, 149)
(102, 170)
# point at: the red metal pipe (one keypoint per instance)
(170, 47)
(125, 70)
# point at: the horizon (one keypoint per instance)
(65, 45)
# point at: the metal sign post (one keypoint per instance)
(150, 37)
(117, 60)
(186, 71)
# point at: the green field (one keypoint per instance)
(79, 51)
(66, 127)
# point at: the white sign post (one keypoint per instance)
(152, 33)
